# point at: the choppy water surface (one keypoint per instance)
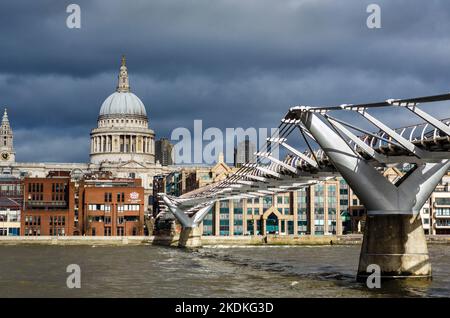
(150, 271)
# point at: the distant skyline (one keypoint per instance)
(230, 63)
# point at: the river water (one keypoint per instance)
(151, 271)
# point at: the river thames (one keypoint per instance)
(151, 271)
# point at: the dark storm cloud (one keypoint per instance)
(231, 63)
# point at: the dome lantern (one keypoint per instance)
(123, 101)
(123, 86)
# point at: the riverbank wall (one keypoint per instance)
(282, 240)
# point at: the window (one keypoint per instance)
(443, 212)
(267, 203)
(442, 201)
(121, 197)
(250, 227)
(108, 197)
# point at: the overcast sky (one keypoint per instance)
(231, 63)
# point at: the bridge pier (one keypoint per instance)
(190, 237)
(393, 237)
(397, 244)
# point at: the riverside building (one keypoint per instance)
(11, 201)
(49, 206)
(436, 212)
(325, 208)
(95, 204)
(112, 207)
(312, 210)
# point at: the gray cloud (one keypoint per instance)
(231, 63)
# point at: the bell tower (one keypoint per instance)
(7, 153)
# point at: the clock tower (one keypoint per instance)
(7, 153)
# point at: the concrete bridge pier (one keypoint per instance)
(397, 244)
(393, 236)
(190, 237)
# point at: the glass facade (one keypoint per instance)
(311, 210)
(224, 218)
(302, 211)
(319, 212)
(332, 206)
(208, 223)
(238, 219)
(267, 203)
(442, 201)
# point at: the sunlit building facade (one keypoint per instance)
(11, 201)
(310, 210)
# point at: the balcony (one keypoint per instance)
(441, 216)
(442, 226)
(43, 204)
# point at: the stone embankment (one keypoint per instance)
(282, 240)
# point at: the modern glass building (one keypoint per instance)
(310, 210)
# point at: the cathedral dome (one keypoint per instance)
(122, 133)
(123, 103)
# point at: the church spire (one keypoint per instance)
(5, 116)
(123, 85)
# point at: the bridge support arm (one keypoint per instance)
(182, 217)
(190, 235)
(393, 235)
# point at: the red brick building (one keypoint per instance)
(48, 205)
(112, 207)
(96, 205)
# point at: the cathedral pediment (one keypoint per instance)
(131, 164)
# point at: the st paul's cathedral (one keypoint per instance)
(122, 143)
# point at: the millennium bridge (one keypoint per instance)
(393, 236)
